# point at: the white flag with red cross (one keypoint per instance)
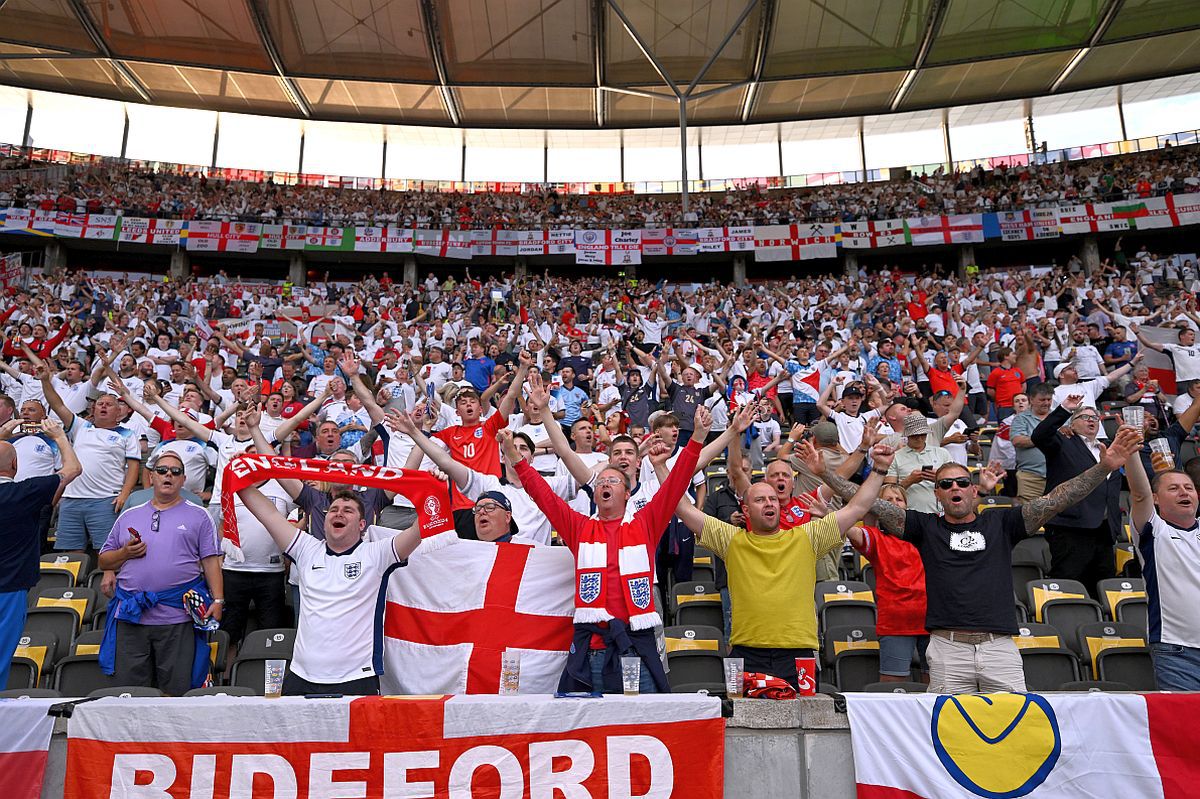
(452, 613)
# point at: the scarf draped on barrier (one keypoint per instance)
(430, 496)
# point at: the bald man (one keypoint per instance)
(21, 505)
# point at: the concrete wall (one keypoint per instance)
(797, 749)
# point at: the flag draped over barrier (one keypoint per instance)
(1065, 746)
(614, 247)
(220, 747)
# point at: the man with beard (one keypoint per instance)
(968, 567)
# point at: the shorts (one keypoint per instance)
(84, 519)
(896, 654)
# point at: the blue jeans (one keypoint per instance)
(12, 623)
(896, 651)
(1177, 668)
(596, 661)
(84, 519)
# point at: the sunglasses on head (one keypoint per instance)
(175, 471)
(947, 482)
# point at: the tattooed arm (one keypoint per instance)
(1075, 490)
(891, 517)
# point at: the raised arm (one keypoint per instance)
(52, 396)
(151, 392)
(891, 518)
(540, 399)
(691, 516)
(1141, 499)
(1117, 374)
(1145, 342)
(1041, 510)
(460, 473)
(289, 426)
(864, 499)
(253, 417)
(352, 367)
(509, 400)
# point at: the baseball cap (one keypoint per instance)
(854, 390)
(1062, 367)
(501, 500)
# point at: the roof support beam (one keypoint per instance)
(733, 29)
(1102, 24)
(766, 28)
(627, 24)
(937, 10)
(434, 39)
(119, 66)
(598, 56)
(268, 44)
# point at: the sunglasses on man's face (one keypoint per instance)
(946, 482)
(175, 471)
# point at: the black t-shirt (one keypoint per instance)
(20, 542)
(968, 569)
(683, 401)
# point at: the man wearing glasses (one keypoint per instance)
(162, 551)
(1081, 537)
(968, 566)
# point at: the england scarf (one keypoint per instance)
(430, 496)
(637, 580)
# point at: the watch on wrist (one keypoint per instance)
(880, 472)
(219, 602)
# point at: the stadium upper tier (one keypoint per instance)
(583, 63)
(117, 187)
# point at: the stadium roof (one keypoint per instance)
(576, 63)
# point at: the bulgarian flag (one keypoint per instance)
(1065, 746)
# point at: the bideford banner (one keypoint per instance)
(462, 747)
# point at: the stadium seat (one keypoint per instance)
(697, 604)
(896, 688)
(1120, 591)
(50, 578)
(837, 640)
(1032, 635)
(99, 618)
(994, 503)
(79, 598)
(1046, 669)
(41, 648)
(1127, 562)
(1067, 615)
(854, 669)
(1096, 639)
(62, 623)
(268, 644)
(125, 691)
(88, 643)
(844, 603)
(79, 675)
(1094, 685)
(221, 690)
(868, 576)
(1135, 612)
(681, 638)
(251, 673)
(77, 563)
(1132, 666)
(30, 693)
(704, 566)
(22, 673)
(696, 670)
(1039, 593)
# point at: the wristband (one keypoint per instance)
(879, 472)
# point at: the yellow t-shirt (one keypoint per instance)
(772, 579)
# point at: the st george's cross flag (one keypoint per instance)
(795, 242)
(670, 241)
(873, 233)
(1059, 746)
(453, 612)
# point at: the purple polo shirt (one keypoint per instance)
(185, 536)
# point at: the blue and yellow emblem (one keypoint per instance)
(998, 746)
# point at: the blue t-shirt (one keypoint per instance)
(20, 542)
(1121, 349)
(478, 371)
(572, 399)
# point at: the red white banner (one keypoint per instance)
(452, 613)
(443, 243)
(726, 239)
(493, 242)
(24, 745)
(868, 235)
(608, 247)
(1065, 745)
(223, 236)
(1040, 223)
(86, 226)
(957, 229)
(795, 242)
(139, 230)
(546, 242)
(670, 241)
(462, 746)
(383, 239)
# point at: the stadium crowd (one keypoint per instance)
(585, 413)
(117, 187)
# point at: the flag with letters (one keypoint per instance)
(608, 247)
(795, 242)
(670, 241)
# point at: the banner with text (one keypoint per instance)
(225, 747)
